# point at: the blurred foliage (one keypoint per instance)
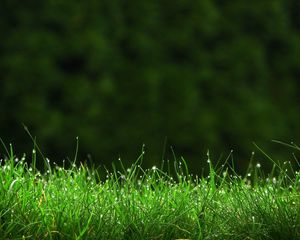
(205, 74)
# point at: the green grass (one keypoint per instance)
(79, 203)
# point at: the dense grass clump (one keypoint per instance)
(79, 203)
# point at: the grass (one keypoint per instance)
(79, 203)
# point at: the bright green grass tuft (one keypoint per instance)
(145, 204)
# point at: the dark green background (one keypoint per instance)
(206, 74)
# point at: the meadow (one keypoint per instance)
(81, 202)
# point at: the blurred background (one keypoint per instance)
(191, 75)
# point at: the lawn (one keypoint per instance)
(135, 203)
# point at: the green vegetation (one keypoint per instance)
(79, 203)
(203, 73)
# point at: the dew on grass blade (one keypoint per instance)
(6, 167)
